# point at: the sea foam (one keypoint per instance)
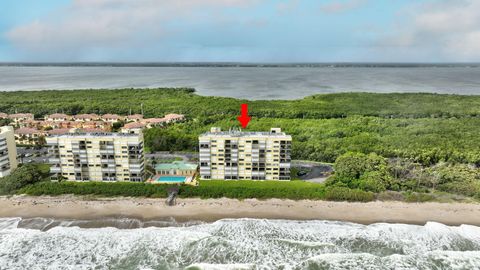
(237, 244)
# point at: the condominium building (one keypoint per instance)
(8, 151)
(96, 156)
(245, 155)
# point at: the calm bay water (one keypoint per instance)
(239, 243)
(235, 244)
(249, 82)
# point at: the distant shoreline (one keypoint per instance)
(88, 208)
(238, 64)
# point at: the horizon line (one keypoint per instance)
(235, 64)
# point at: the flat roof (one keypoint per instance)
(246, 134)
(94, 134)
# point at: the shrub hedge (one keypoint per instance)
(295, 190)
(346, 194)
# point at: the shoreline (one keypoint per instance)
(210, 210)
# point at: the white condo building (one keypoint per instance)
(245, 155)
(97, 156)
(8, 151)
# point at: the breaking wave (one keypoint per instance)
(234, 244)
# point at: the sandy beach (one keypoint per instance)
(75, 207)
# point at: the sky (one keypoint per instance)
(240, 31)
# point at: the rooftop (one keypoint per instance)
(111, 116)
(86, 116)
(26, 130)
(6, 128)
(177, 165)
(58, 115)
(154, 120)
(95, 134)
(134, 125)
(58, 131)
(21, 115)
(274, 132)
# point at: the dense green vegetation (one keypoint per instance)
(160, 101)
(425, 140)
(23, 176)
(412, 146)
(373, 173)
(294, 190)
(427, 128)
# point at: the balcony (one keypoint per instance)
(284, 165)
(55, 169)
(135, 166)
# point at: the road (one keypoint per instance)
(317, 172)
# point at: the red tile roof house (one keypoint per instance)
(134, 118)
(20, 117)
(48, 124)
(173, 117)
(58, 117)
(29, 124)
(28, 136)
(68, 124)
(135, 127)
(104, 126)
(112, 118)
(39, 124)
(154, 122)
(86, 117)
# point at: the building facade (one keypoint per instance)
(240, 155)
(8, 151)
(96, 157)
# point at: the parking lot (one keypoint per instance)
(32, 155)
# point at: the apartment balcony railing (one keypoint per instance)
(55, 169)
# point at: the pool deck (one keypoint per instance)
(189, 179)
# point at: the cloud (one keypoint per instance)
(87, 25)
(338, 6)
(287, 6)
(446, 30)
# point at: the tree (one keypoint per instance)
(366, 172)
(22, 176)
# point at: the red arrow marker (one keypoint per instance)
(244, 118)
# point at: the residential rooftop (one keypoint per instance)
(94, 134)
(274, 132)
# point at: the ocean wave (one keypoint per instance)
(235, 244)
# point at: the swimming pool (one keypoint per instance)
(171, 179)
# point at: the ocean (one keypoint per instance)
(251, 81)
(234, 244)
